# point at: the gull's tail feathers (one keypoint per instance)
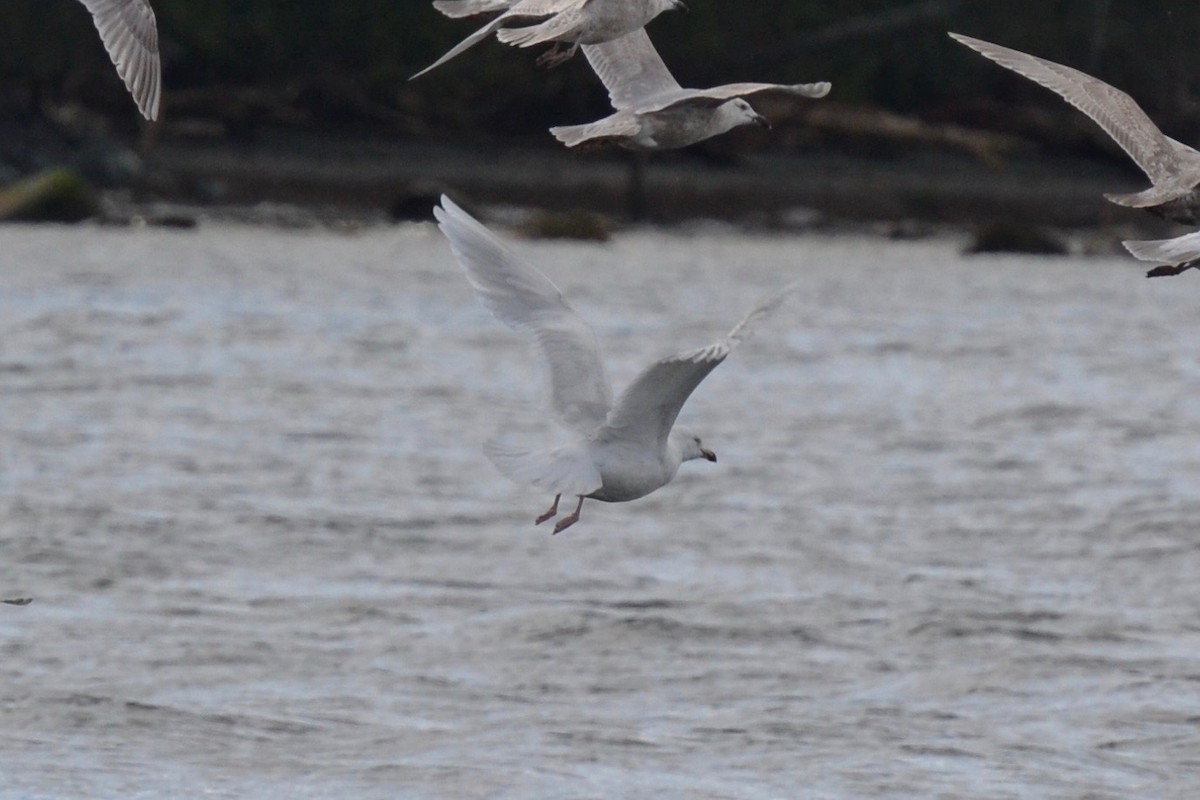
(565, 470)
(546, 31)
(612, 129)
(466, 44)
(457, 9)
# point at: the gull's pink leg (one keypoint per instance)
(553, 510)
(570, 520)
(555, 56)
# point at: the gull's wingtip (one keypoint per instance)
(447, 208)
(978, 45)
(1136, 248)
(815, 90)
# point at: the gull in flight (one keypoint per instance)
(571, 22)
(18, 601)
(130, 36)
(1175, 255)
(653, 112)
(1173, 168)
(620, 451)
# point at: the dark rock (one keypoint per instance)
(1011, 237)
(573, 224)
(56, 195)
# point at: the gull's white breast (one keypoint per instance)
(630, 471)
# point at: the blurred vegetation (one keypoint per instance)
(346, 62)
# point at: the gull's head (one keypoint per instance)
(739, 112)
(690, 446)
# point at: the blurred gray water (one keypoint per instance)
(950, 549)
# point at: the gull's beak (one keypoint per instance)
(762, 121)
(708, 454)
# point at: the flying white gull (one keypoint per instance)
(619, 451)
(1173, 168)
(571, 22)
(130, 36)
(653, 112)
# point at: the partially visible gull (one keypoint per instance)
(619, 451)
(1173, 168)
(130, 35)
(570, 22)
(1176, 255)
(653, 112)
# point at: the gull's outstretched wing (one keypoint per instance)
(524, 299)
(1114, 111)
(631, 70)
(646, 411)
(467, 43)
(130, 36)
(1180, 250)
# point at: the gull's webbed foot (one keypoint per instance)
(553, 510)
(570, 519)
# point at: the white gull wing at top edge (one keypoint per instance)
(457, 9)
(130, 35)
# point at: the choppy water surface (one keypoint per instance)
(950, 548)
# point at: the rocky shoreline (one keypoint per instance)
(361, 177)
